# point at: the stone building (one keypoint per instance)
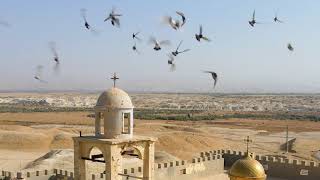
(115, 109)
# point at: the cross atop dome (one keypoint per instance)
(248, 140)
(114, 78)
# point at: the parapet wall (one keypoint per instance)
(178, 170)
(274, 166)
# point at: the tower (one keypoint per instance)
(115, 109)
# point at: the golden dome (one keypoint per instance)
(247, 169)
(114, 98)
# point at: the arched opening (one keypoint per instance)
(95, 162)
(132, 162)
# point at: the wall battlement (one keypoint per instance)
(206, 164)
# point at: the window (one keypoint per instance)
(125, 123)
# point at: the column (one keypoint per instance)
(79, 164)
(131, 123)
(113, 163)
(148, 161)
(98, 124)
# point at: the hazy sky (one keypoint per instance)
(246, 59)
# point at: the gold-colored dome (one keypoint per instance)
(247, 169)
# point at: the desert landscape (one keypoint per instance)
(36, 129)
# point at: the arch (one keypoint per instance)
(129, 149)
(97, 163)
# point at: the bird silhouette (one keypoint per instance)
(171, 62)
(84, 16)
(38, 74)
(200, 35)
(253, 20)
(214, 76)
(276, 19)
(56, 58)
(176, 52)
(113, 17)
(135, 36)
(134, 48)
(176, 24)
(290, 47)
(158, 44)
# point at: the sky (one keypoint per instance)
(246, 59)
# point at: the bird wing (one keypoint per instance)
(254, 15)
(116, 14)
(153, 40)
(280, 21)
(179, 45)
(113, 10)
(172, 67)
(215, 78)
(52, 46)
(117, 21)
(136, 33)
(171, 57)
(165, 42)
(107, 18)
(168, 20)
(208, 72)
(182, 16)
(39, 69)
(200, 30)
(139, 39)
(206, 38)
(184, 50)
(83, 14)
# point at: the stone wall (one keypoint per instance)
(177, 170)
(278, 167)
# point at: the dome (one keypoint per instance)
(114, 98)
(247, 169)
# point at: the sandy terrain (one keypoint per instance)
(24, 137)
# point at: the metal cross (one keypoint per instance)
(248, 140)
(114, 78)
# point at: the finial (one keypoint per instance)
(248, 140)
(114, 78)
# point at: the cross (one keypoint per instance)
(248, 140)
(114, 78)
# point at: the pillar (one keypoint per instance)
(98, 123)
(113, 162)
(79, 164)
(131, 124)
(148, 161)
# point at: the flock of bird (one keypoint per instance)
(114, 18)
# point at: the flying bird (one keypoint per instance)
(170, 62)
(290, 47)
(176, 52)
(134, 48)
(214, 76)
(113, 17)
(276, 19)
(38, 75)
(84, 16)
(158, 44)
(56, 58)
(200, 36)
(253, 21)
(176, 24)
(135, 36)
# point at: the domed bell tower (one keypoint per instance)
(115, 109)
